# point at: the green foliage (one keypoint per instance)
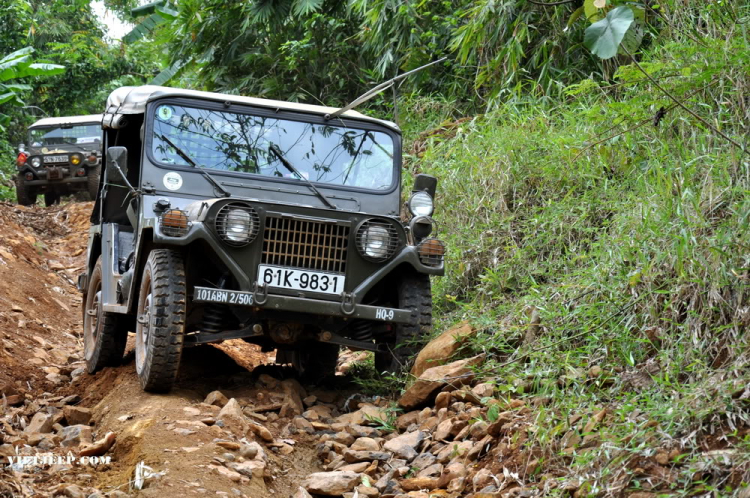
(144, 28)
(14, 66)
(631, 241)
(603, 37)
(303, 50)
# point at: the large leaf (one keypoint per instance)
(591, 10)
(13, 68)
(603, 37)
(167, 74)
(6, 97)
(574, 17)
(144, 28)
(147, 9)
(304, 7)
(16, 87)
(17, 54)
(44, 69)
(167, 13)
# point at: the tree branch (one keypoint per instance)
(680, 104)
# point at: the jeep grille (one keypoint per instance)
(305, 244)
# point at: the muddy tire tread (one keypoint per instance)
(23, 193)
(92, 185)
(112, 335)
(167, 332)
(414, 292)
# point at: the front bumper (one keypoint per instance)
(260, 299)
(63, 174)
(69, 179)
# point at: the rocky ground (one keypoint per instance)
(237, 425)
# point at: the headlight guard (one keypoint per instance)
(237, 224)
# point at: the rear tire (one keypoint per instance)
(414, 293)
(104, 333)
(160, 331)
(25, 195)
(93, 183)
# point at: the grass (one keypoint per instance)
(634, 252)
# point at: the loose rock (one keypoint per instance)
(407, 445)
(433, 378)
(216, 398)
(441, 348)
(76, 415)
(331, 483)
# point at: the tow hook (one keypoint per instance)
(260, 294)
(347, 303)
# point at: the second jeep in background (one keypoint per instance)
(62, 157)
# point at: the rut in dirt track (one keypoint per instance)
(190, 442)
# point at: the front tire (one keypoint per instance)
(104, 333)
(25, 195)
(93, 183)
(414, 293)
(160, 331)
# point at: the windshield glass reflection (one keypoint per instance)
(66, 135)
(229, 141)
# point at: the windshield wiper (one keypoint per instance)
(192, 163)
(277, 152)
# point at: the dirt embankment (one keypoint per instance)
(41, 254)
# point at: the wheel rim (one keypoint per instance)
(93, 311)
(143, 330)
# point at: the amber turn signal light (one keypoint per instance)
(431, 252)
(174, 223)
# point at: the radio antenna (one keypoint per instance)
(376, 90)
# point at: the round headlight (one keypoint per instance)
(377, 241)
(237, 224)
(36, 161)
(420, 204)
(76, 159)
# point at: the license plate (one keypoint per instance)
(206, 295)
(301, 280)
(55, 159)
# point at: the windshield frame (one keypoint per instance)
(279, 114)
(74, 125)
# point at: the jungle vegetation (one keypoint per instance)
(594, 188)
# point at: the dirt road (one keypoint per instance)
(192, 444)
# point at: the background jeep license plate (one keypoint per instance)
(303, 280)
(55, 159)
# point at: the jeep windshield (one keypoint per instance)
(66, 135)
(242, 143)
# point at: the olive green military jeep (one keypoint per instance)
(224, 217)
(63, 156)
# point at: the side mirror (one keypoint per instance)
(117, 165)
